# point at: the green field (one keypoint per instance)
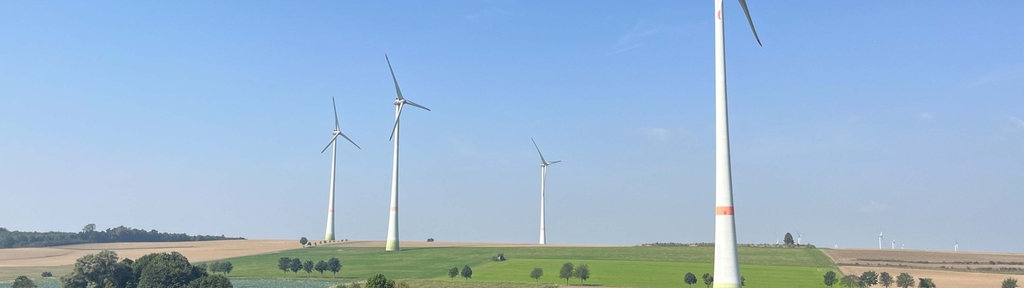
(609, 266)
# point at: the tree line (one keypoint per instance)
(89, 234)
(106, 269)
(286, 264)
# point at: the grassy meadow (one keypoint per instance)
(609, 266)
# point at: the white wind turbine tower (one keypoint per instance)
(727, 267)
(543, 178)
(392, 240)
(880, 240)
(334, 158)
(956, 246)
(799, 238)
(893, 244)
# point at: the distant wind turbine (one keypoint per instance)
(543, 178)
(727, 267)
(334, 158)
(880, 240)
(799, 238)
(392, 240)
(956, 246)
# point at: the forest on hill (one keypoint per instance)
(89, 234)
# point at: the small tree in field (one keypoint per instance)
(788, 239)
(334, 265)
(1010, 283)
(536, 273)
(690, 279)
(320, 266)
(582, 272)
(708, 279)
(284, 264)
(303, 241)
(467, 272)
(454, 272)
(851, 281)
(885, 279)
(308, 267)
(830, 278)
(925, 283)
(295, 266)
(869, 278)
(565, 272)
(379, 281)
(904, 280)
(23, 282)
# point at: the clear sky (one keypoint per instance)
(854, 118)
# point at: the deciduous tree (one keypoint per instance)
(869, 278)
(467, 272)
(690, 279)
(23, 282)
(379, 281)
(320, 266)
(1010, 283)
(308, 267)
(295, 266)
(334, 265)
(454, 272)
(566, 272)
(284, 263)
(885, 279)
(851, 281)
(830, 278)
(303, 241)
(904, 280)
(536, 274)
(925, 283)
(708, 279)
(582, 272)
(788, 239)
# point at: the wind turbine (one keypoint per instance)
(334, 158)
(893, 244)
(880, 240)
(727, 267)
(956, 246)
(799, 238)
(543, 178)
(392, 240)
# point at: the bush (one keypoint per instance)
(47, 274)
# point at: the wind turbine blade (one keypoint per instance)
(329, 144)
(335, 105)
(542, 162)
(349, 140)
(397, 116)
(398, 90)
(417, 105)
(743, 3)
(556, 161)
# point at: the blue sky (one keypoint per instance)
(854, 117)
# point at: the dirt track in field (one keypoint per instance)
(946, 268)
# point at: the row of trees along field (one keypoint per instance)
(89, 234)
(153, 270)
(295, 264)
(903, 280)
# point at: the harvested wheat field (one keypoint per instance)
(58, 259)
(947, 269)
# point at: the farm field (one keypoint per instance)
(609, 266)
(946, 268)
(59, 260)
